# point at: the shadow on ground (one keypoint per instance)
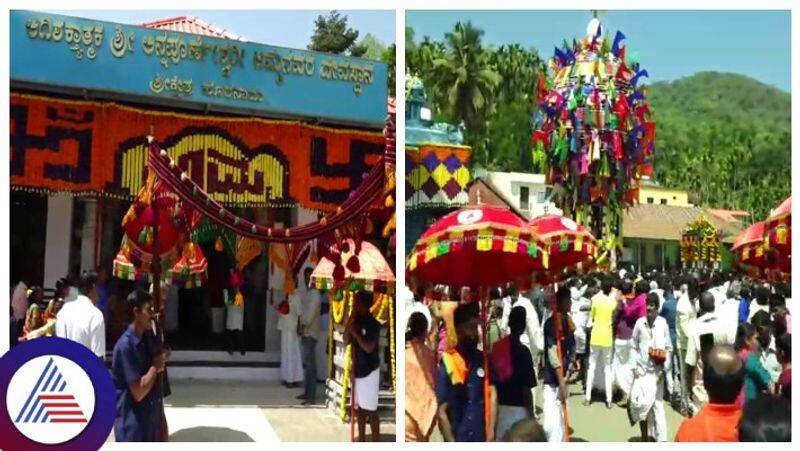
(382, 438)
(209, 434)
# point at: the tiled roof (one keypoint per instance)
(729, 215)
(666, 222)
(191, 24)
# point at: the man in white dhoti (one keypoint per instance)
(363, 332)
(309, 330)
(651, 347)
(291, 362)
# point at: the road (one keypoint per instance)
(596, 423)
(230, 411)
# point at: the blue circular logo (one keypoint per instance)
(56, 393)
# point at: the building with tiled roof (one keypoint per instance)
(651, 233)
(193, 25)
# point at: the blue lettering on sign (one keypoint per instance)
(49, 50)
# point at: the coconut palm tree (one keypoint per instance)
(466, 77)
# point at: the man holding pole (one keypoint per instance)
(363, 333)
(559, 345)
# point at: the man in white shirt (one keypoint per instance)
(81, 321)
(652, 348)
(19, 302)
(291, 360)
(708, 331)
(309, 331)
(532, 338)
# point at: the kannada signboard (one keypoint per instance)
(111, 58)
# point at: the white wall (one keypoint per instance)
(58, 239)
(508, 184)
(88, 233)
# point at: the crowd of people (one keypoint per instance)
(79, 311)
(713, 345)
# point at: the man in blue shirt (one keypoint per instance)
(138, 369)
(559, 345)
(460, 383)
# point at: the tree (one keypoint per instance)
(466, 76)
(389, 57)
(373, 47)
(332, 35)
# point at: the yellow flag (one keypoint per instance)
(484, 240)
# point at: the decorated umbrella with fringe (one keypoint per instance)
(778, 231)
(571, 246)
(478, 246)
(369, 271)
(752, 256)
(365, 270)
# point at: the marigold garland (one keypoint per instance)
(117, 143)
(700, 242)
(330, 349)
(392, 344)
(347, 359)
(345, 382)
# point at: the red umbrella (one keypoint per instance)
(477, 246)
(570, 246)
(373, 271)
(778, 228)
(754, 258)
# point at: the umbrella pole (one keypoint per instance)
(352, 394)
(484, 304)
(159, 308)
(559, 337)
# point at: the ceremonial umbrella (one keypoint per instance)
(571, 247)
(748, 247)
(753, 258)
(374, 273)
(366, 270)
(778, 231)
(478, 247)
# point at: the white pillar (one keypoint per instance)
(272, 337)
(58, 239)
(88, 234)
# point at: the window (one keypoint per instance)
(541, 197)
(649, 200)
(663, 201)
(524, 197)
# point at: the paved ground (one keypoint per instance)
(596, 423)
(226, 411)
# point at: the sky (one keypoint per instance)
(669, 44)
(278, 27)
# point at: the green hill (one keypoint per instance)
(725, 138)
